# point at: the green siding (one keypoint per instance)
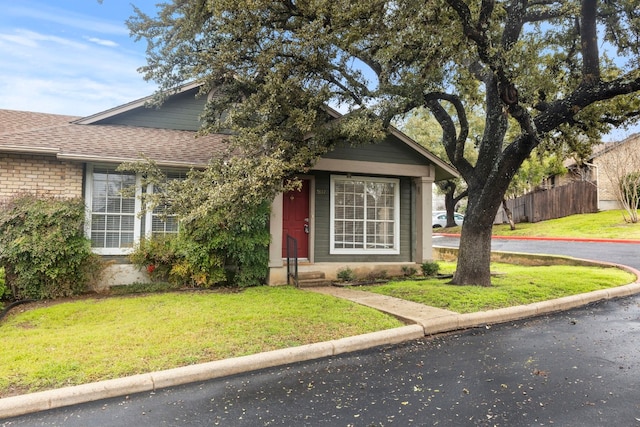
(323, 215)
(180, 112)
(391, 150)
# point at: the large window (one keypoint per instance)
(114, 223)
(364, 215)
(113, 215)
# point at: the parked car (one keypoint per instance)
(439, 219)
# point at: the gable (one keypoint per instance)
(387, 151)
(396, 155)
(180, 111)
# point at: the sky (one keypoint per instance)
(76, 57)
(72, 57)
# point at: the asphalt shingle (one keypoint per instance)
(31, 130)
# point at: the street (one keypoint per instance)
(620, 253)
(577, 368)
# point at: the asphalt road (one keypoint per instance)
(577, 368)
(621, 253)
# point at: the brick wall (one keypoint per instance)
(43, 176)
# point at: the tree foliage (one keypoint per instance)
(535, 68)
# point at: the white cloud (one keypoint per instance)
(66, 58)
(102, 42)
(54, 74)
(66, 18)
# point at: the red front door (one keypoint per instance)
(295, 219)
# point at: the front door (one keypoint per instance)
(295, 219)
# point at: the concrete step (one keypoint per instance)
(308, 279)
(313, 283)
(310, 275)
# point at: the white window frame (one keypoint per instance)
(137, 225)
(395, 250)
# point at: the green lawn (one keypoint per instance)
(606, 224)
(94, 339)
(512, 285)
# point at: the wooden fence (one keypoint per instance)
(574, 198)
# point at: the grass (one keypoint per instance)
(606, 224)
(514, 285)
(100, 338)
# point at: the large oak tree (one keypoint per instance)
(543, 72)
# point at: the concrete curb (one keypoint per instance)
(50, 399)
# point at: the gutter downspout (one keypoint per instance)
(597, 182)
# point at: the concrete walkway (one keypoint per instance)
(423, 320)
(407, 311)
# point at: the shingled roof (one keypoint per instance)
(29, 132)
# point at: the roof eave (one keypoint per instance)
(119, 160)
(29, 150)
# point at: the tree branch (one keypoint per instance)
(589, 42)
(453, 145)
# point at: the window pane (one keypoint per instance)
(127, 222)
(97, 239)
(98, 222)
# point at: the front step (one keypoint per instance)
(308, 279)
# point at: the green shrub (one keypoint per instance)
(178, 260)
(346, 275)
(43, 248)
(430, 268)
(210, 252)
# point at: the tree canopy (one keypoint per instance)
(544, 73)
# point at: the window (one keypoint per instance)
(113, 221)
(365, 215)
(162, 224)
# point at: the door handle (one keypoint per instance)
(306, 228)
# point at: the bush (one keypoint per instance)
(430, 268)
(346, 275)
(376, 276)
(177, 260)
(210, 252)
(630, 189)
(43, 248)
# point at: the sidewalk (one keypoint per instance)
(423, 321)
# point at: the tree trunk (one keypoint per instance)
(450, 205)
(474, 257)
(512, 224)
